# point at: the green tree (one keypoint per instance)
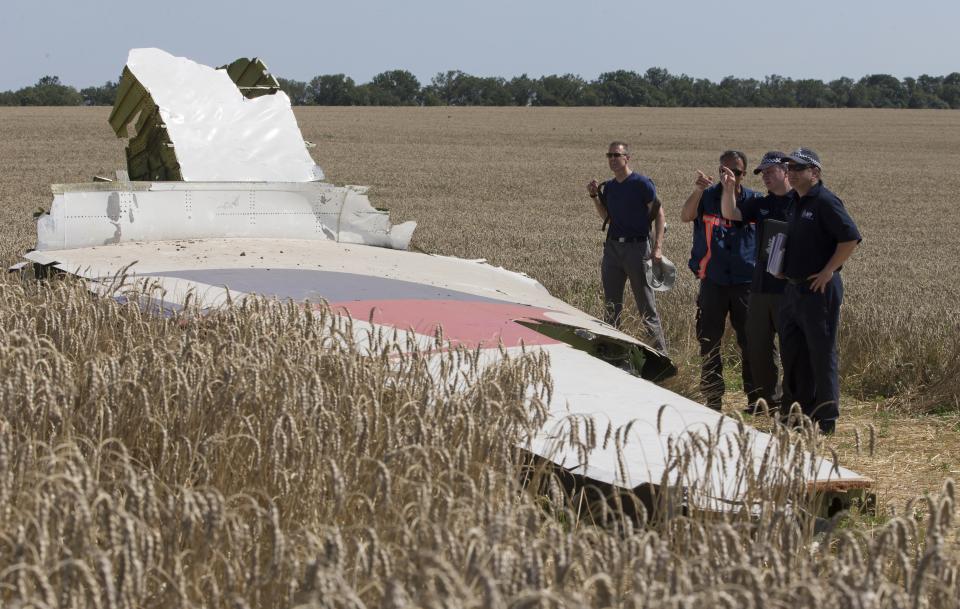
(679, 91)
(100, 96)
(566, 90)
(456, 88)
(880, 91)
(394, 88)
(841, 88)
(332, 90)
(296, 90)
(444, 85)
(626, 88)
(49, 91)
(741, 92)
(704, 93)
(523, 90)
(780, 92)
(950, 90)
(659, 78)
(814, 94)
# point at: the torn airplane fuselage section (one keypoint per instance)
(194, 123)
(105, 213)
(247, 213)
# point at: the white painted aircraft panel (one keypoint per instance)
(472, 277)
(152, 211)
(583, 385)
(217, 133)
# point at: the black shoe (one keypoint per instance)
(827, 427)
(756, 409)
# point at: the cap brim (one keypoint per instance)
(763, 166)
(664, 280)
(802, 161)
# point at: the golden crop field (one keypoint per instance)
(246, 460)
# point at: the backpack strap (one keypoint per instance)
(654, 208)
(603, 201)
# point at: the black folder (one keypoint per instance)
(769, 229)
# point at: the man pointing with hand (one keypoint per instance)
(723, 259)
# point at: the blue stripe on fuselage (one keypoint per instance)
(308, 284)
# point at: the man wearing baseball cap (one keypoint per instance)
(821, 236)
(766, 291)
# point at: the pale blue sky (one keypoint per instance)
(86, 42)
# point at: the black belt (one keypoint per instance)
(795, 281)
(626, 239)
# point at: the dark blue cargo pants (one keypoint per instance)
(808, 349)
(714, 303)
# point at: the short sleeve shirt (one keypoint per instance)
(628, 205)
(818, 222)
(724, 251)
(770, 207)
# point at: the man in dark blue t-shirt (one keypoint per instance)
(821, 236)
(766, 291)
(627, 202)
(723, 259)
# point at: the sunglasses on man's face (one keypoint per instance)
(797, 167)
(615, 155)
(736, 172)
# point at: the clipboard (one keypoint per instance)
(772, 243)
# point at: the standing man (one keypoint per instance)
(722, 258)
(766, 291)
(627, 202)
(821, 236)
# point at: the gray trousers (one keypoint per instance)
(622, 261)
(763, 326)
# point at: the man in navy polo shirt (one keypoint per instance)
(821, 236)
(766, 291)
(626, 204)
(722, 258)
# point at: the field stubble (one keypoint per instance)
(254, 458)
(507, 184)
(126, 513)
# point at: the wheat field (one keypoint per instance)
(250, 458)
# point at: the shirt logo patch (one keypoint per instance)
(764, 212)
(807, 214)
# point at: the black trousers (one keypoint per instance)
(808, 344)
(714, 303)
(763, 326)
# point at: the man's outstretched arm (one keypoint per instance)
(688, 213)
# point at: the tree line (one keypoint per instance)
(655, 87)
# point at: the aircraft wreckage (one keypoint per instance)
(221, 192)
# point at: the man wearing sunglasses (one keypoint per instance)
(723, 259)
(626, 202)
(766, 291)
(821, 236)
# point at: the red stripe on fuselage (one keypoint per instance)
(470, 324)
